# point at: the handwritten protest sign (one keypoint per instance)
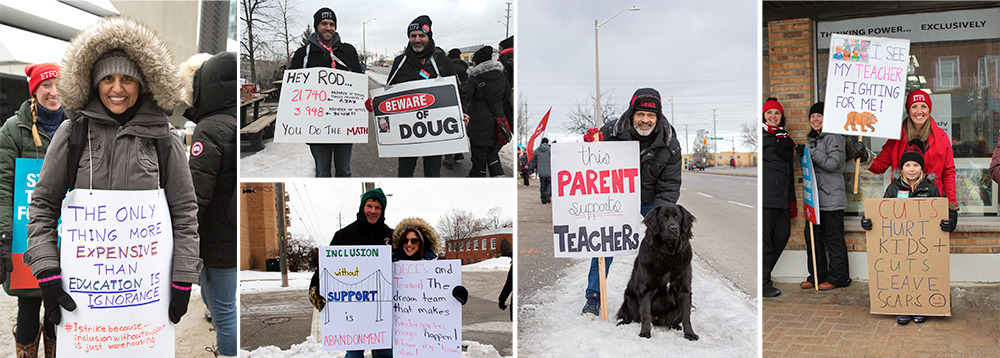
(355, 282)
(419, 118)
(322, 105)
(427, 319)
(596, 198)
(116, 252)
(25, 177)
(908, 259)
(866, 85)
(810, 195)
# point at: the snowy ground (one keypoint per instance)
(497, 264)
(726, 319)
(259, 281)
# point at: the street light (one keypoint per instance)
(364, 42)
(597, 62)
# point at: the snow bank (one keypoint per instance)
(258, 281)
(313, 349)
(377, 77)
(726, 319)
(496, 264)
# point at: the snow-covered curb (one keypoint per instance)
(259, 281)
(495, 264)
(313, 349)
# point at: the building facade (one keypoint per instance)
(954, 56)
(486, 245)
(260, 216)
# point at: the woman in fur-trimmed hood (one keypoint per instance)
(414, 239)
(119, 81)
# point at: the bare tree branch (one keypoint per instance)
(581, 116)
(749, 135)
(459, 224)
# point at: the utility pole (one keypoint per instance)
(687, 144)
(506, 25)
(282, 221)
(715, 145)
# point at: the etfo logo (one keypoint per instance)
(406, 103)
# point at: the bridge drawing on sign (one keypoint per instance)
(375, 286)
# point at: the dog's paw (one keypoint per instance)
(676, 327)
(646, 335)
(622, 323)
(691, 336)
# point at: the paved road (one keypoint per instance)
(725, 233)
(726, 230)
(283, 318)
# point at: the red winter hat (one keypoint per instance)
(40, 72)
(918, 96)
(773, 103)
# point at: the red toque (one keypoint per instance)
(40, 72)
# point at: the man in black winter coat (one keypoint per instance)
(326, 50)
(368, 229)
(659, 165)
(213, 171)
(421, 60)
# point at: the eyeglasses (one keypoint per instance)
(413, 240)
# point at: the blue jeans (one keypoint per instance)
(376, 353)
(593, 278)
(432, 166)
(340, 154)
(218, 291)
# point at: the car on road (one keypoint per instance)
(697, 164)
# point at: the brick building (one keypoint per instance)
(959, 66)
(486, 245)
(743, 159)
(260, 212)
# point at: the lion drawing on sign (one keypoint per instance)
(855, 119)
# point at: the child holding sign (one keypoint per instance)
(936, 147)
(912, 182)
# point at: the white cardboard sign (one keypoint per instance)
(866, 86)
(322, 105)
(116, 253)
(427, 318)
(596, 199)
(355, 280)
(419, 118)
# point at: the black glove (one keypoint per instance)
(50, 282)
(949, 225)
(6, 264)
(316, 299)
(502, 305)
(180, 296)
(461, 294)
(866, 223)
(799, 148)
(859, 151)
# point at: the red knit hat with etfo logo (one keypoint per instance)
(918, 96)
(40, 72)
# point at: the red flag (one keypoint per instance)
(538, 130)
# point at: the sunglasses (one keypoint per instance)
(412, 241)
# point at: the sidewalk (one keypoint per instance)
(807, 323)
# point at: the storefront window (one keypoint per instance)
(958, 66)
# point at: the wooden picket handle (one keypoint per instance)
(857, 170)
(604, 291)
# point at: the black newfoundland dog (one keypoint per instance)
(659, 291)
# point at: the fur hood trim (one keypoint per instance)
(430, 236)
(187, 71)
(141, 44)
(485, 67)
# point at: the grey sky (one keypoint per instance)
(455, 23)
(703, 53)
(316, 204)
